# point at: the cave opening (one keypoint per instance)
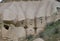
(6, 27)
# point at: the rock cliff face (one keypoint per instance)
(20, 12)
(38, 39)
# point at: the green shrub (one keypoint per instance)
(52, 31)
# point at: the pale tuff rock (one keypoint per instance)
(30, 23)
(13, 9)
(18, 32)
(30, 31)
(14, 32)
(38, 39)
(4, 32)
(39, 30)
